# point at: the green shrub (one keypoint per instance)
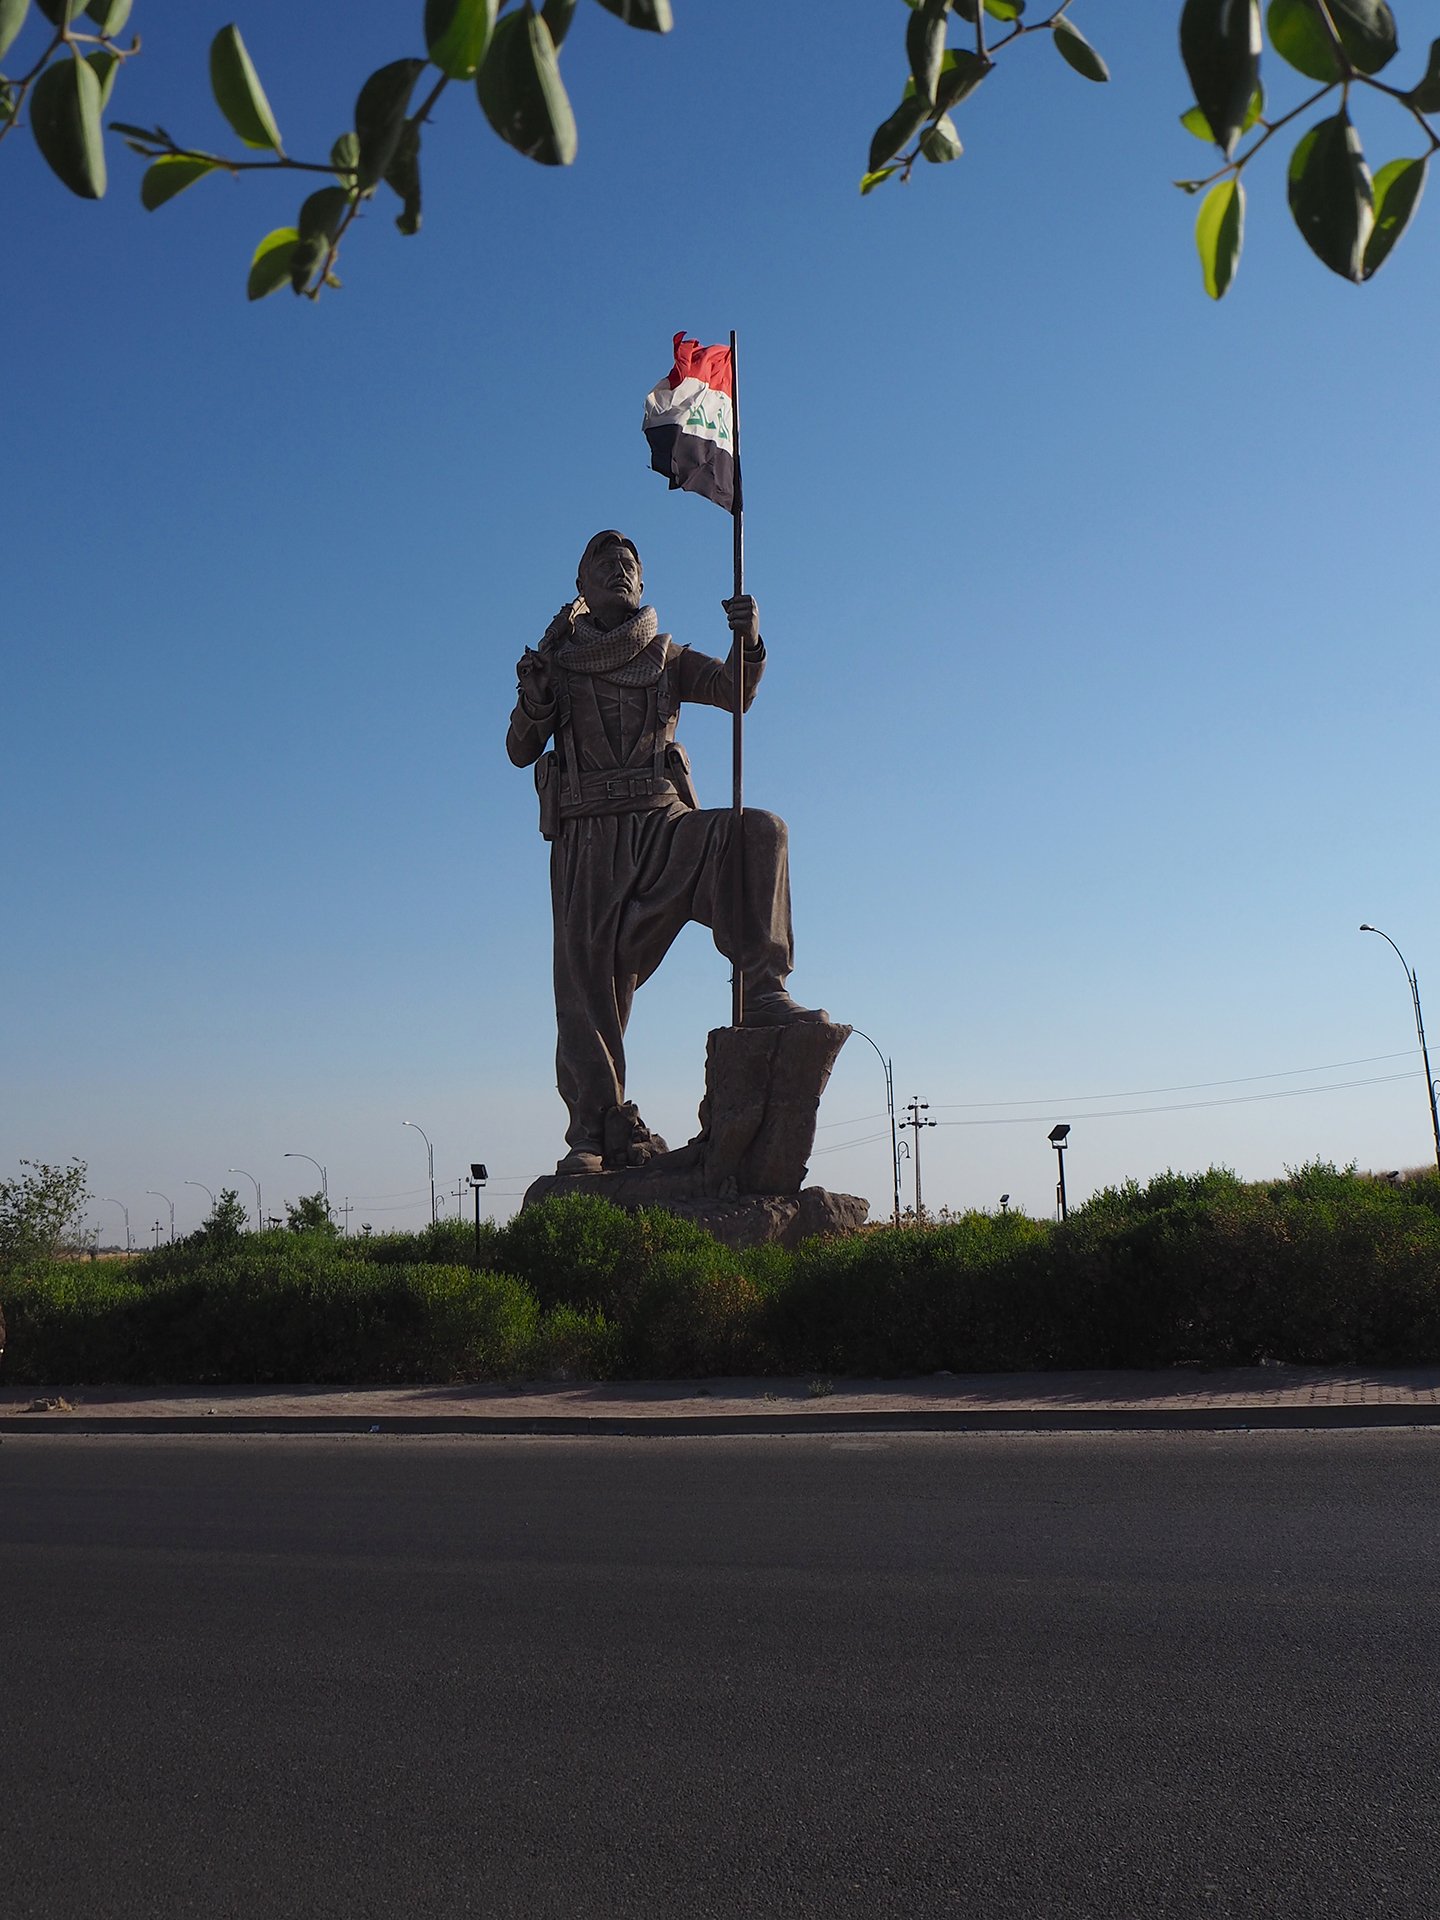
(696, 1317)
(1324, 1266)
(575, 1343)
(249, 1319)
(444, 1243)
(587, 1252)
(910, 1300)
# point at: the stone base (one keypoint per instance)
(741, 1176)
(749, 1220)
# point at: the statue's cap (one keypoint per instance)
(610, 536)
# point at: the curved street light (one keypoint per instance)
(259, 1210)
(156, 1194)
(324, 1177)
(890, 1108)
(430, 1153)
(1420, 1031)
(204, 1189)
(125, 1210)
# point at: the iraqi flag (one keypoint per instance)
(690, 422)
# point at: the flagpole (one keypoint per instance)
(737, 730)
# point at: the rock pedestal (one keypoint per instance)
(741, 1176)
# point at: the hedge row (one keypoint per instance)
(1322, 1267)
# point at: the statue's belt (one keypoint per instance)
(609, 785)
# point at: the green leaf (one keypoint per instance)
(322, 213)
(1398, 186)
(1331, 195)
(12, 19)
(403, 176)
(1220, 45)
(166, 177)
(941, 142)
(654, 15)
(1366, 29)
(60, 12)
(869, 181)
(1426, 97)
(345, 154)
(65, 120)
(925, 47)
(104, 65)
(109, 15)
(238, 92)
(521, 92)
(892, 134)
(960, 73)
(1077, 50)
(270, 266)
(557, 15)
(1219, 235)
(1005, 9)
(306, 260)
(457, 33)
(1194, 121)
(7, 102)
(380, 110)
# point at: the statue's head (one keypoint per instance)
(610, 578)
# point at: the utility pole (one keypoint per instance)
(913, 1112)
(458, 1190)
(347, 1210)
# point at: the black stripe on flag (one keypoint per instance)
(694, 464)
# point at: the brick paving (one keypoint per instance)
(1179, 1397)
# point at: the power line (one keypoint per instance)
(1193, 1086)
(1186, 1106)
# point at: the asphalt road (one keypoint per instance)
(1114, 1676)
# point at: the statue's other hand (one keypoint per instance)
(744, 617)
(533, 674)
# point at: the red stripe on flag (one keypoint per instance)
(710, 364)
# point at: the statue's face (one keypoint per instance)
(611, 582)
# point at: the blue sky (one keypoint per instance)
(1100, 620)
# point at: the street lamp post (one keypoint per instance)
(430, 1155)
(155, 1194)
(1420, 1031)
(1058, 1138)
(125, 1210)
(478, 1177)
(204, 1189)
(890, 1109)
(324, 1177)
(259, 1209)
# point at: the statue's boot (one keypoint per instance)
(580, 1160)
(775, 1008)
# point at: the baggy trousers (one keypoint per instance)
(622, 885)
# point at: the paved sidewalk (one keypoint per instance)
(1237, 1397)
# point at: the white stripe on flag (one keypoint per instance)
(700, 412)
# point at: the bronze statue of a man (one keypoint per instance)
(633, 857)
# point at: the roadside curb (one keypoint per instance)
(685, 1426)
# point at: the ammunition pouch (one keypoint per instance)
(547, 789)
(677, 772)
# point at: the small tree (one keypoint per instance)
(41, 1211)
(309, 1214)
(226, 1221)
